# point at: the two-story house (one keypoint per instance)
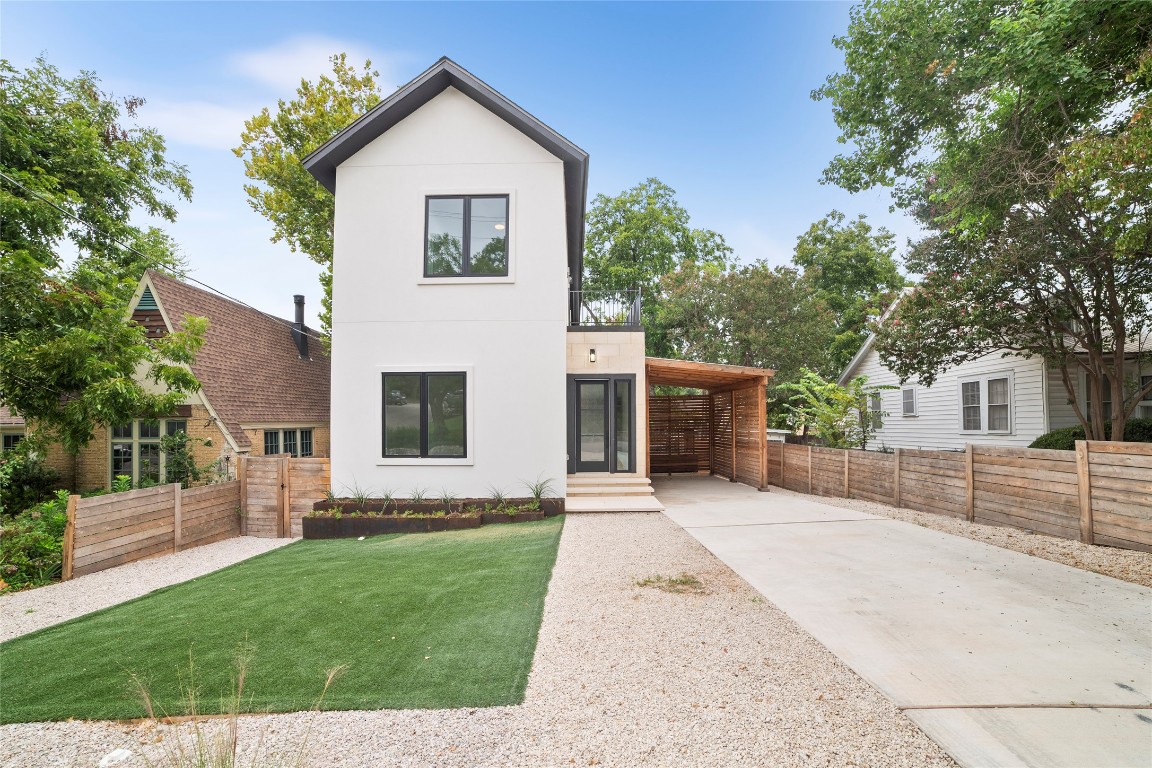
(465, 358)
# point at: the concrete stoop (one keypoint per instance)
(606, 492)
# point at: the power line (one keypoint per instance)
(153, 262)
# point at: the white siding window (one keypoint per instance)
(986, 404)
(908, 400)
(877, 411)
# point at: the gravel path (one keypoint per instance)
(32, 609)
(1124, 564)
(624, 675)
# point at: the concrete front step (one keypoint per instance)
(610, 490)
(612, 504)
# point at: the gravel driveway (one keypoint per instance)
(624, 675)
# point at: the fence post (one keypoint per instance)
(896, 480)
(286, 498)
(970, 484)
(177, 519)
(69, 539)
(809, 469)
(732, 421)
(845, 474)
(242, 470)
(1083, 479)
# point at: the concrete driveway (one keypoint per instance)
(1004, 659)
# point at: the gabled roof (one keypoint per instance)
(444, 74)
(10, 419)
(249, 368)
(869, 342)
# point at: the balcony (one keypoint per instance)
(597, 309)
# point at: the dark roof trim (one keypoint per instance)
(432, 82)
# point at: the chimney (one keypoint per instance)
(298, 334)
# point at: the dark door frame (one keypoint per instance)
(610, 418)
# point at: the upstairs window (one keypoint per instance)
(466, 236)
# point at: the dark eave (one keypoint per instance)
(432, 82)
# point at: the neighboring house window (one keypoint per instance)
(1145, 409)
(424, 415)
(986, 404)
(136, 449)
(297, 442)
(466, 236)
(877, 412)
(11, 441)
(1106, 402)
(908, 399)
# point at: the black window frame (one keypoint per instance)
(423, 405)
(466, 235)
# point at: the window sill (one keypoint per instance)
(465, 280)
(434, 461)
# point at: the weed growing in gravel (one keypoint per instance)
(683, 584)
(195, 741)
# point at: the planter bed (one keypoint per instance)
(345, 527)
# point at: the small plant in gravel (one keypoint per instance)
(685, 583)
(194, 741)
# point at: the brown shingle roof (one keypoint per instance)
(9, 419)
(249, 367)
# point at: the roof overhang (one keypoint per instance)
(442, 75)
(713, 377)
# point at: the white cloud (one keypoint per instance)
(282, 66)
(200, 123)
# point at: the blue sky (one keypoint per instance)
(711, 98)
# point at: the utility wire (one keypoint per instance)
(154, 263)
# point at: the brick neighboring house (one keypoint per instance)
(264, 390)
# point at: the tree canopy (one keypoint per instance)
(634, 239)
(753, 315)
(1017, 133)
(854, 273)
(71, 176)
(273, 145)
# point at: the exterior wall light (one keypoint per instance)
(591, 355)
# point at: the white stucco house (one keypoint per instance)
(996, 399)
(465, 358)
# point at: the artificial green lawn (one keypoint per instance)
(422, 620)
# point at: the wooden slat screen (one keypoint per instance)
(678, 433)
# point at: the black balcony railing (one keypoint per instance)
(599, 309)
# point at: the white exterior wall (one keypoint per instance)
(1061, 414)
(507, 333)
(937, 424)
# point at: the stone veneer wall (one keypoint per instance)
(617, 352)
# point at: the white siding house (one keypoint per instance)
(997, 399)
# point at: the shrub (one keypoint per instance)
(25, 480)
(1135, 431)
(31, 545)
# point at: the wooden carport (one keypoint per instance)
(722, 432)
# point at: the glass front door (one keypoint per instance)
(601, 424)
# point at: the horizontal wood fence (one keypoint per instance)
(722, 433)
(119, 528)
(278, 491)
(1101, 493)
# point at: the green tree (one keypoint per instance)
(71, 175)
(753, 315)
(634, 239)
(839, 417)
(854, 273)
(1018, 135)
(273, 146)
